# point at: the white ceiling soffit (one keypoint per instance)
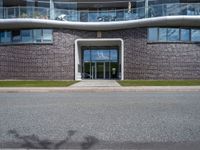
(169, 21)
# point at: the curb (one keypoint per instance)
(101, 89)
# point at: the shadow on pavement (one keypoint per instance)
(34, 142)
(91, 142)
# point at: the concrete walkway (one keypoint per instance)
(100, 89)
(96, 83)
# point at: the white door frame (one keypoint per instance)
(97, 42)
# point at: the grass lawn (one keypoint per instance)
(159, 82)
(36, 83)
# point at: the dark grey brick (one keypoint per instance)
(142, 60)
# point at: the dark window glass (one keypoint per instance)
(153, 34)
(163, 34)
(16, 36)
(27, 35)
(195, 35)
(173, 34)
(5, 37)
(185, 34)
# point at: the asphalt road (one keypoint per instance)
(118, 120)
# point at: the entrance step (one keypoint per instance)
(96, 83)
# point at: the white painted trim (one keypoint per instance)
(108, 41)
(174, 21)
(122, 59)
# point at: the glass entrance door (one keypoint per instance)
(100, 63)
(100, 70)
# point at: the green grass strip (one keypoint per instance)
(159, 82)
(36, 83)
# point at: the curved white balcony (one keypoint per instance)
(175, 14)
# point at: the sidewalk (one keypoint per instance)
(101, 89)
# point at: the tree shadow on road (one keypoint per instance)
(34, 142)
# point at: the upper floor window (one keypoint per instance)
(5, 37)
(26, 36)
(16, 36)
(185, 35)
(195, 35)
(47, 35)
(162, 34)
(153, 34)
(173, 35)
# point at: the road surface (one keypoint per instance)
(109, 120)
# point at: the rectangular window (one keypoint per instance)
(153, 34)
(100, 55)
(163, 34)
(5, 37)
(86, 55)
(113, 55)
(27, 36)
(37, 35)
(16, 36)
(47, 35)
(185, 35)
(173, 34)
(195, 37)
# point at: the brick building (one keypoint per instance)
(107, 39)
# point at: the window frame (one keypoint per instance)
(189, 41)
(192, 35)
(32, 41)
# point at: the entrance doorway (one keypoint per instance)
(100, 63)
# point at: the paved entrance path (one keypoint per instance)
(96, 83)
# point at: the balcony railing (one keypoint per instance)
(25, 12)
(173, 9)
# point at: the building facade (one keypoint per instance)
(107, 39)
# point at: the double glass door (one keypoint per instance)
(100, 64)
(101, 70)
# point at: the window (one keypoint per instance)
(173, 34)
(47, 35)
(195, 35)
(37, 35)
(185, 35)
(113, 55)
(99, 55)
(153, 34)
(86, 55)
(16, 36)
(27, 36)
(163, 34)
(5, 37)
